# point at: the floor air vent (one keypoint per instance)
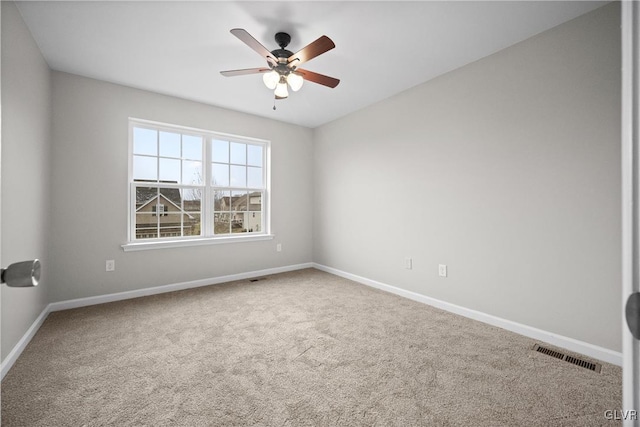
(596, 367)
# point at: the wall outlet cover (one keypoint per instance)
(442, 270)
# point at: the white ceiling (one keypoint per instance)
(382, 48)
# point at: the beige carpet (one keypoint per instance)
(304, 348)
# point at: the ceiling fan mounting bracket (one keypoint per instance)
(283, 39)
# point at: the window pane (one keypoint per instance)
(222, 223)
(191, 147)
(171, 198)
(254, 177)
(238, 153)
(222, 201)
(191, 172)
(220, 151)
(192, 199)
(170, 225)
(239, 200)
(238, 222)
(220, 175)
(239, 211)
(192, 225)
(254, 222)
(238, 176)
(145, 141)
(146, 226)
(170, 170)
(145, 168)
(254, 155)
(255, 201)
(146, 220)
(144, 197)
(170, 144)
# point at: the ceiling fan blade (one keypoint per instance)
(318, 78)
(232, 73)
(254, 44)
(310, 51)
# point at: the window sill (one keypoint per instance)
(165, 244)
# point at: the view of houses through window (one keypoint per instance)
(187, 184)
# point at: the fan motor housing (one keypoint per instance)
(281, 53)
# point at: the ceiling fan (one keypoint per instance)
(282, 64)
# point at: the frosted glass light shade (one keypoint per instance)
(295, 81)
(281, 91)
(271, 79)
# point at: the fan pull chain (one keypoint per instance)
(274, 104)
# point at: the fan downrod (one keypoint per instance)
(282, 54)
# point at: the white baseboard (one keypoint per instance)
(581, 347)
(17, 350)
(571, 344)
(119, 296)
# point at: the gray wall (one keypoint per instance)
(26, 136)
(89, 197)
(507, 170)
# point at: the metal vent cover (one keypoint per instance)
(595, 367)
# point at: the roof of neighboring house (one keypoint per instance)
(145, 194)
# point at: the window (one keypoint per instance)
(159, 210)
(188, 184)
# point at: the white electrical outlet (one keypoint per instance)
(442, 270)
(279, 247)
(111, 265)
(408, 263)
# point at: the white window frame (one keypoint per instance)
(207, 214)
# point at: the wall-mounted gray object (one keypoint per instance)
(21, 274)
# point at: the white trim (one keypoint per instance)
(17, 350)
(119, 296)
(630, 126)
(11, 358)
(101, 299)
(164, 244)
(549, 337)
(207, 231)
(577, 346)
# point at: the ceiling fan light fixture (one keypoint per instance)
(281, 91)
(271, 79)
(295, 81)
(283, 72)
